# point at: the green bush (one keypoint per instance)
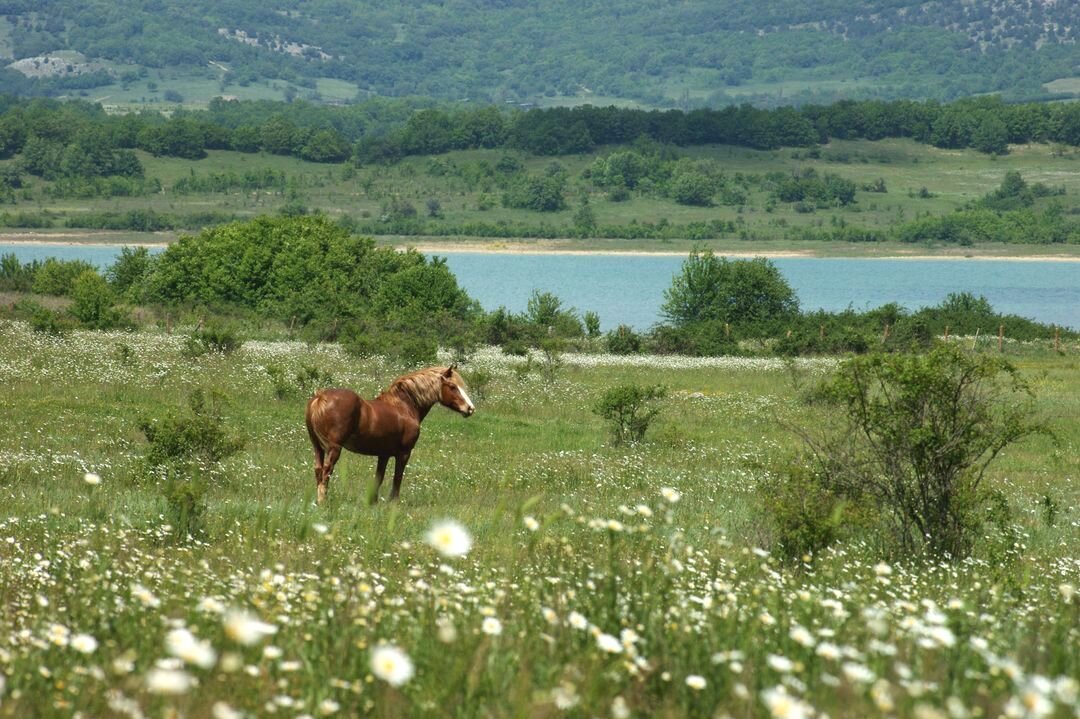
(412, 349)
(201, 436)
(214, 337)
(47, 321)
(623, 341)
(742, 293)
(804, 515)
(304, 383)
(92, 303)
(57, 277)
(917, 433)
(185, 502)
(14, 275)
(629, 409)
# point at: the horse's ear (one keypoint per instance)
(450, 370)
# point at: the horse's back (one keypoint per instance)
(333, 414)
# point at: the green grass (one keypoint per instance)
(338, 580)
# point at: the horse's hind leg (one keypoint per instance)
(399, 472)
(332, 454)
(380, 473)
(320, 458)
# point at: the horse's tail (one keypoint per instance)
(316, 409)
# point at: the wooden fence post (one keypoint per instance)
(1001, 338)
(885, 337)
(946, 333)
(1057, 338)
(977, 330)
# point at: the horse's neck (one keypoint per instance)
(405, 400)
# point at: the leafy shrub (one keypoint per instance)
(412, 349)
(541, 194)
(741, 293)
(214, 337)
(92, 303)
(804, 515)
(304, 383)
(47, 321)
(630, 409)
(592, 323)
(57, 277)
(623, 341)
(128, 273)
(185, 502)
(551, 360)
(14, 275)
(478, 381)
(200, 437)
(917, 435)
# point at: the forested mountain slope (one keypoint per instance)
(685, 53)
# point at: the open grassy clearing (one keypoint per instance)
(591, 586)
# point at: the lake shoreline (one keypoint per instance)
(549, 247)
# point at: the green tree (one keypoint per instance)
(325, 146)
(585, 219)
(542, 194)
(990, 135)
(692, 188)
(739, 292)
(130, 270)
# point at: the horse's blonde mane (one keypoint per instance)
(422, 386)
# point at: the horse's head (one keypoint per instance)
(453, 393)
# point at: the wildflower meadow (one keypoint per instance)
(533, 567)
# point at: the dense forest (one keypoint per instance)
(685, 54)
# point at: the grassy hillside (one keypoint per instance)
(682, 54)
(660, 546)
(919, 181)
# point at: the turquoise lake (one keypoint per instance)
(629, 289)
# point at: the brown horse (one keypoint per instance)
(387, 426)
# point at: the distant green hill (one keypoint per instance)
(691, 53)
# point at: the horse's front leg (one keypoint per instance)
(380, 473)
(399, 472)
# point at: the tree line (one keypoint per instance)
(80, 139)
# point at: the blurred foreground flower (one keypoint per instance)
(449, 538)
(84, 643)
(168, 681)
(182, 644)
(246, 628)
(392, 665)
(491, 626)
(92, 478)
